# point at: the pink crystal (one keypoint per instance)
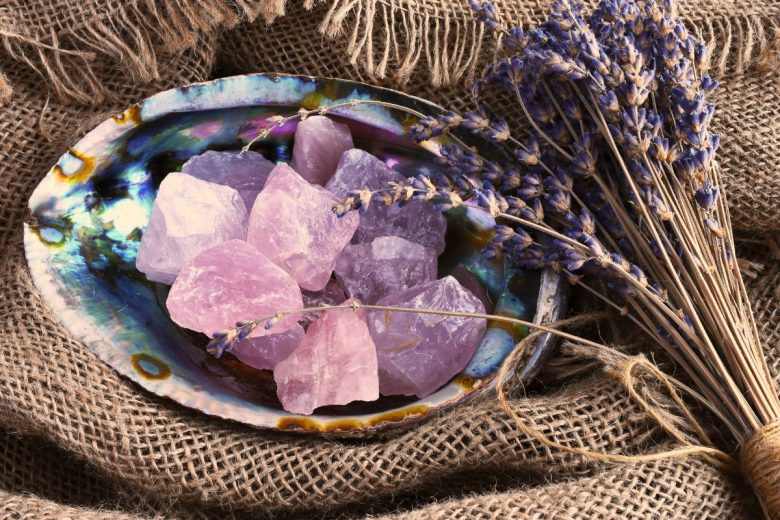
(293, 224)
(385, 265)
(189, 216)
(417, 221)
(245, 172)
(233, 282)
(319, 143)
(419, 353)
(266, 352)
(336, 363)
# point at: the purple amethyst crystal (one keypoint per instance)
(266, 352)
(372, 270)
(245, 172)
(419, 353)
(417, 221)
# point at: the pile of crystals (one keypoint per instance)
(240, 238)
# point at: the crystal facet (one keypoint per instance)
(336, 363)
(372, 270)
(189, 216)
(333, 294)
(245, 171)
(416, 221)
(229, 283)
(293, 224)
(319, 143)
(266, 352)
(419, 353)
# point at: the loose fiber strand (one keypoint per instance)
(749, 42)
(432, 47)
(368, 37)
(413, 47)
(389, 39)
(726, 31)
(334, 19)
(392, 22)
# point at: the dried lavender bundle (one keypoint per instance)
(619, 172)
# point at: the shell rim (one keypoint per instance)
(551, 302)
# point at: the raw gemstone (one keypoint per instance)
(245, 172)
(319, 143)
(372, 270)
(233, 282)
(333, 294)
(336, 363)
(470, 282)
(417, 221)
(189, 216)
(266, 352)
(419, 353)
(293, 224)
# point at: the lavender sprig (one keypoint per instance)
(616, 186)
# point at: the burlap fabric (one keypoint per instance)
(77, 440)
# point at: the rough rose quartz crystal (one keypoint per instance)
(293, 224)
(385, 265)
(419, 353)
(417, 221)
(336, 363)
(266, 352)
(319, 143)
(245, 172)
(189, 216)
(233, 282)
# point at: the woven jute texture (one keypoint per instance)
(77, 440)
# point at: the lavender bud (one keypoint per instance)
(707, 195)
(714, 227)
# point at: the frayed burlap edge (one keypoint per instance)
(442, 37)
(387, 38)
(133, 36)
(445, 39)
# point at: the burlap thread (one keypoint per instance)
(136, 445)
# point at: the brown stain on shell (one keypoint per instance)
(139, 360)
(395, 416)
(468, 384)
(131, 115)
(37, 230)
(346, 425)
(80, 175)
(299, 424)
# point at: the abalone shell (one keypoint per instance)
(90, 210)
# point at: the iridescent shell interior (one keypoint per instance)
(89, 212)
